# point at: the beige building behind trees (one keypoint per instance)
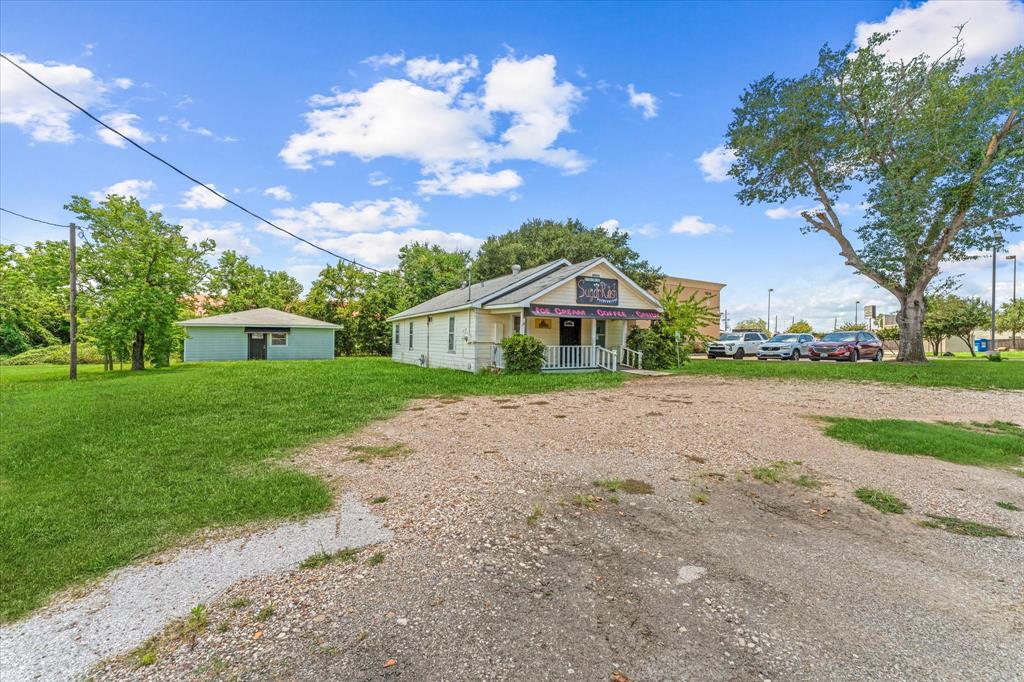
(687, 287)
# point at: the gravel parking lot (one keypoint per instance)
(507, 563)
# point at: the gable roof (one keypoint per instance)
(524, 295)
(259, 317)
(480, 292)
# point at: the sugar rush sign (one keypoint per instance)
(597, 291)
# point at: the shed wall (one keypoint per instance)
(204, 344)
(304, 344)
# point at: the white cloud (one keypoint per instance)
(123, 122)
(380, 249)
(783, 212)
(87, 49)
(693, 225)
(449, 76)
(378, 179)
(155, 208)
(200, 197)
(228, 236)
(716, 163)
(124, 83)
(612, 225)
(279, 192)
(644, 101)
(34, 110)
(187, 126)
(325, 218)
(379, 61)
(990, 28)
(139, 189)
(470, 183)
(447, 133)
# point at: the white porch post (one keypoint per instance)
(625, 332)
(522, 322)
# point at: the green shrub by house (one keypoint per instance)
(523, 353)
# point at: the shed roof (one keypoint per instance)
(259, 317)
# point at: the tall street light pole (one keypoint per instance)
(992, 338)
(856, 305)
(1013, 327)
(768, 320)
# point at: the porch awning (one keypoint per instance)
(267, 330)
(599, 312)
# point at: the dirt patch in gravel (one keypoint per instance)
(499, 570)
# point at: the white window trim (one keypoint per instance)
(410, 335)
(398, 334)
(451, 334)
(279, 345)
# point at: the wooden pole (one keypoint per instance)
(73, 327)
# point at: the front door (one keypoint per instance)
(569, 331)
(257, 346)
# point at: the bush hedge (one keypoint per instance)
(56, 355)
(522, 353)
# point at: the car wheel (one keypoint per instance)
(854, 355)
(878, 356)
(738, 355)
(795, 357)
(712, 357)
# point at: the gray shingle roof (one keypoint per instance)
(461, 298)
(259, 317)
(527, 290)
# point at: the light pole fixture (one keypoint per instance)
(992, 339)
(768, 320)
(1013, 328)
(856, 306)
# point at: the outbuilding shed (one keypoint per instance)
(259, 334)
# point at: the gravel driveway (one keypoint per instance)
(496, 572)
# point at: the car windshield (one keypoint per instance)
(730, 337)
(847, 336)
(786, 338)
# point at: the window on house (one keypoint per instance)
(410, 336)
(398, 331)
(451, 334)
(279, 339)
(602, 333)
(517, 324)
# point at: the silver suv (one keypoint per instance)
(786, 347)
(736, 345)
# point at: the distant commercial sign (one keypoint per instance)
(870, 311)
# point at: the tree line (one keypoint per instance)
(139, 274)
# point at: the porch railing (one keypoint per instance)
(631, 358)
(606, 359)
(568, 357)
(498, 356)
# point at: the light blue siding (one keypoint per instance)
(231, 343)
(216, 343)
(304, 344)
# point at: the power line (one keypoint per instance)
(35, 220)
(183, 173)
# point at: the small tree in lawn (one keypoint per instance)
(852, 327)
(963, 316)
(758, 325)
(938, 151)
(799, 327)
(685, 317)
(1010, 318)
(135, 272)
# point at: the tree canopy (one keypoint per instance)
(235, 284)
(799, 327)
(937, 151)
(537, 241)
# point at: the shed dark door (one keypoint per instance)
(569, 331)
(257, 346)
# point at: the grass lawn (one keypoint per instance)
(949, 372)
(995, 444)
(96, 473)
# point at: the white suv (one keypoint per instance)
(736, 345)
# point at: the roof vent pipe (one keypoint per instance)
(516, 268)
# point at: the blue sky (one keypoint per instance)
(365, 126)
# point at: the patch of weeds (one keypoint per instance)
(534, 516)
(699, 497)
(610, 485)
(265, 613)
(740, 477)
(584, 501)
(952, 524)
(1008, 506)
(239, 603)
(655, 414)
(614, 499)
(560, 416)
(145, 654)
(196, 622)
(368, 453)
(807, 481)
(323, 558)
(223, 626)
(771, 473)
(881, 500)
(380, 499)
(376, 559)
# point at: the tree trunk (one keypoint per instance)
(138, 348)
(910, 319)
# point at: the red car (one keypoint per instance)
(849, 346)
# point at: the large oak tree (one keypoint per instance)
(937, 152)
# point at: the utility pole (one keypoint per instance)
(768, 320)
(992, 339)
(776, 324)
(1013, 327)
(73, 327)
(856, 305)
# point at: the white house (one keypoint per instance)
(582, 313)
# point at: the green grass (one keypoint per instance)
(1009, 506)
(322, 558)
(771, 473)
(952, 524)
(949, 372)
(96, 473)
(994, 444)
(629, 485)
(807, 481)
(887, 503)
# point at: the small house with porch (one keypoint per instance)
(582, 312)
(259, 334)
